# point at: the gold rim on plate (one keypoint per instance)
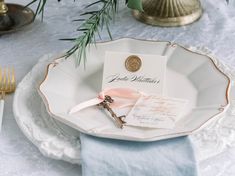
(165, 136)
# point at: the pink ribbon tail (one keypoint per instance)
(85, 104)
(130, 96)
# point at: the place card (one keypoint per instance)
(139, 71)
(153, 111)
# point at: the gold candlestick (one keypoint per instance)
(13, 17)
(5, 20)
(169, 12)
(3, 7)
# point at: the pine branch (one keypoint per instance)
(40, 7)
(91, 25)
(94, 23)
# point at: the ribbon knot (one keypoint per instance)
(123, 97)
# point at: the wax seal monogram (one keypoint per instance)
(133, 63)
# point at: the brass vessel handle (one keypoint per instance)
(3, 7)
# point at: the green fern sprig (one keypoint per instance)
(40, 7)
(92, 25)
(94, 22)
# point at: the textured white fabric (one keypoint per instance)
(215, 30)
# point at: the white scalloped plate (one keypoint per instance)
(189, 76)
(58, 141)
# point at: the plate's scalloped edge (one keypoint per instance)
(215, 65)
(222, 109)
(22, 125)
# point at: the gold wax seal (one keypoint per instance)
(133, 63)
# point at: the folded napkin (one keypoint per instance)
(107, 157)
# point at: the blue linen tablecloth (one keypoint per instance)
(215, 30)
(108, 157)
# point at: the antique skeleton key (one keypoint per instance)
(105, 104)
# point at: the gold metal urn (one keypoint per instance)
(5, 20)
(14, 17)
(169, 13)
